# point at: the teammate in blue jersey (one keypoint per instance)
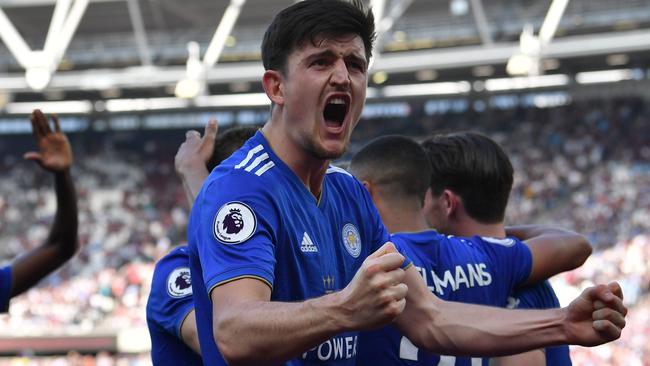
(170, 307)
(478, 270)
(170, 312)
(281, 244)
(54, 155)
(539, 296)
(457, 205)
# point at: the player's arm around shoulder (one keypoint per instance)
(443, 327)
(554, 250)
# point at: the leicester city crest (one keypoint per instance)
(351, 240)
(234, 223)
(179, 282)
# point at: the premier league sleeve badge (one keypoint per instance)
(234, 223)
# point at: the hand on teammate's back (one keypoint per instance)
(54, 152)
(376, 295)
(597, 316)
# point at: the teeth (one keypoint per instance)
(336, 101)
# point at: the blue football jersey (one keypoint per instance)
(477, 270)
(542, 296)
(5, 288)
(254, 218)
(170, 301)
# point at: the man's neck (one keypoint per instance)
(470, 227)
(402, 217)
(311, 171)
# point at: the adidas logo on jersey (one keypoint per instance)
(260, 164)
(307, 246)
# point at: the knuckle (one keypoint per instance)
(371, 268)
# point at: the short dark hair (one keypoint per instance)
(474, 167)
(229, 142)
(397, 162)
(310, 19)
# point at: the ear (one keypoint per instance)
(449, 202)
(369, 186)
(272, 81)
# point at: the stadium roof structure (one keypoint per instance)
(106, 49)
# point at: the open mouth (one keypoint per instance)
(335, 111)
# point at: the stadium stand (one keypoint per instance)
(572, 169)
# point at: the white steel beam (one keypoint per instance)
(565, 47)
(67, 31)
(14, 41)
(61, 10)
(139, 32)
(224, 29)
(551, 21)
(481, 22)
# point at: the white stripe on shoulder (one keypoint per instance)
(264, 168)
(335, 169)
(257, 162)
(249, 156)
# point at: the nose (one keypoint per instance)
(340, 75)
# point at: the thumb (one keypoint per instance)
(34, 156)
(192, 134)
(599, 292)
(211, 129)
(388, 247)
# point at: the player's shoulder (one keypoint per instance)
(172, 273)
(494, 243)
(254, 159)
(426, 237)
(253, 167)
(344, 179)
(176, 256)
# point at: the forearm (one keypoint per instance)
(554, 250)
(61, 243)
(63, 234)
(255, 333)
(470, 330)
(527, 232)
(193, 178)
(524, 232)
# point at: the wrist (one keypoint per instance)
(336, 314)
(190, 167)
(564, 337)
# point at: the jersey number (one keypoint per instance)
(408, 351)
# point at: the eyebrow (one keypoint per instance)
(330, 53)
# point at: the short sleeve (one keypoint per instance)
(5, 288)
(539, 296)
(171, 299)
(235, 229)
(512, 257)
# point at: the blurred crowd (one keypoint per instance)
(76, 359)
(584, 166)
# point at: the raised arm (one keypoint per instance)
(54, 155)
(554, 250)
(251, 330)
(451, 328)
(191, 158)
